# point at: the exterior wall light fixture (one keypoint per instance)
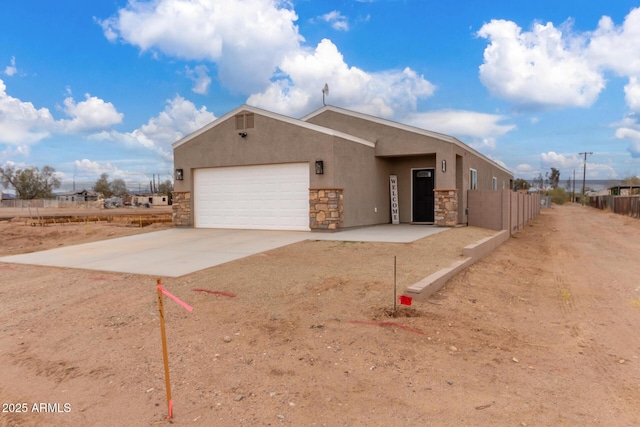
(444, 166)
(179, 175)
(319, 167)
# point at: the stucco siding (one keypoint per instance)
(402, 167)
(362, 176)
(359, 153)
(270, 141)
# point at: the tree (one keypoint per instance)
(102, 186)
(118, 187)
(554, 178)
(521, 184)
(30, 183)
(631, 180)
(165, 187)
(558, 196)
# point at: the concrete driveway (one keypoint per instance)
(179, 251)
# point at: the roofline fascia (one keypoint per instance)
(275, 116)
(405, 127)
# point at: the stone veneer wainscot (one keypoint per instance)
(181, 208)
(446, 207)
(326, 208)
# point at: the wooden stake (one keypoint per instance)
(165, 355)
(395, 298)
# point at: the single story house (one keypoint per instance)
(151, 199)
(77, 196)
(624, 190)
(331, 169)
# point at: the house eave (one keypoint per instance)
(275, 116)
(407, 128)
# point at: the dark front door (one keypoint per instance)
(423, 197)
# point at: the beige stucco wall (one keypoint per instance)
(347, 164)
(361, 170)
(270, 141)
(405, 149)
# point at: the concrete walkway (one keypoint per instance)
(179, 251)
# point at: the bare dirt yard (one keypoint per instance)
(542, 332)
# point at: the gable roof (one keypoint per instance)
(275, 116)
(407, 128)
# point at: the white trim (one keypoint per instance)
(408, 128)
(274, 116)
(471, 181)
(434, 186)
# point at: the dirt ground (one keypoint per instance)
(543, 332)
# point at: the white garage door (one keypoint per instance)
(268, 197)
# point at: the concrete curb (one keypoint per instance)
(472, 253)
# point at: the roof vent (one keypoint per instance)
(245, 121)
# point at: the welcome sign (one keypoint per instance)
(395, 209)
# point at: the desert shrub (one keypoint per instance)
(558, 196)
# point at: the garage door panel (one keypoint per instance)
(272, 197)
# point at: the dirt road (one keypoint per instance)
(543, 332)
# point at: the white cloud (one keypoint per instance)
(600, 171)
(200, 77)
(89, 115)
(632, 93)
(86, 165)
(88, 171)
(337, 20)
(566, 164)
(246, 39)
(525, 171)
(304, 72)
(538, 68)
(20, 122)
(631, 133)
(257, 50)
(15, 151)
(629, 129)
(552, 159)
(483, 129)
(179, 118)
(616, 48)
(10, 70)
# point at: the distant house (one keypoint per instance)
(624, 190)
(150, 199)
(77, 196)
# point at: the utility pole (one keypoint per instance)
(573, 191)
(584, 174)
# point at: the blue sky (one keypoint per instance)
(93, 87)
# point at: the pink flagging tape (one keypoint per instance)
(176, 299)
(220, 293)
(170, 409)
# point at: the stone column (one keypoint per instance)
(182, 209)
(446, 207)
(326, 208)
